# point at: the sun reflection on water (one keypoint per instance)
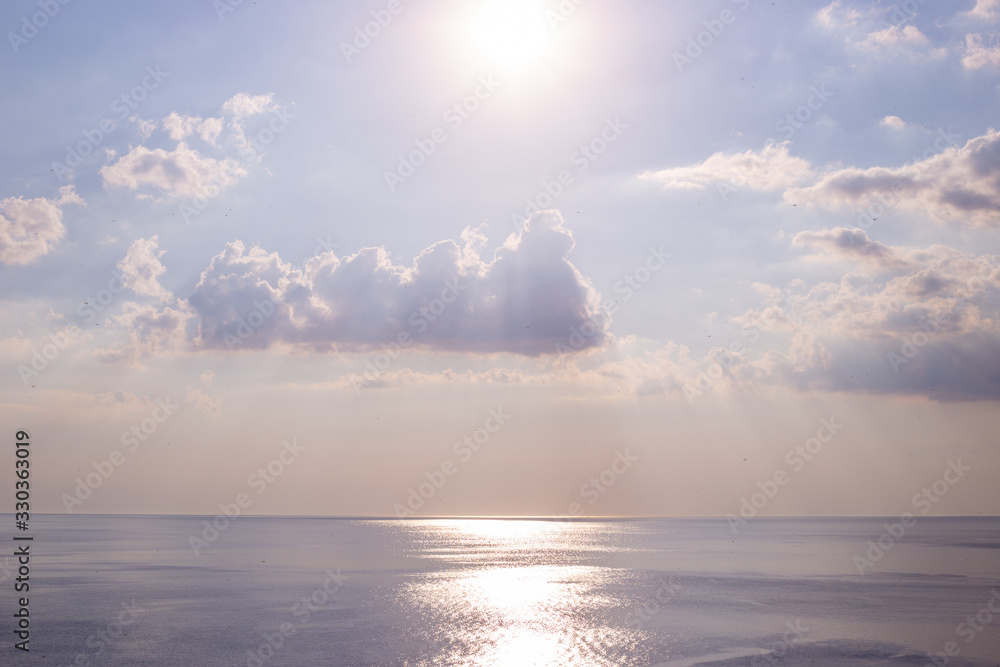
(508, 601)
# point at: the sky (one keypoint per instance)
(467, 257)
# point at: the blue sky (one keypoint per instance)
(751, 217)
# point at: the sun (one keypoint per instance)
(508, 35)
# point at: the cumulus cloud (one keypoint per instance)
(894, 122)
(242, 105)
(849, 243)
(930, 328)
(527, 299)
(30, 228)
(768, 169)
(953, 183)
(836, 15)
(151, 330)
(179, 127)
(895, 36)
(985, 10)
(141, 268)
(185, 171)
(180, 172)
(959, 184)
(981, 52)
(876, 32)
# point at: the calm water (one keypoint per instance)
(131, 591)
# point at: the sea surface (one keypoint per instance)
(288, 591)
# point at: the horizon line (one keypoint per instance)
(514, 517)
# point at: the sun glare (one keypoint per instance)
(509, 35)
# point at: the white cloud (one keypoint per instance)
(985, 10)
(180, 127)
(894, 122)
(835, 15)
(242, 105)
(525, 301)
(141, 267)
(979, 53)
(144, 128)
(30, 228)
(958, 184)
(180, 172)
(849, 243)
(186, 171)
(150, 330)
(768, 169)
(929, 328)
(955, 184)
(895, 36)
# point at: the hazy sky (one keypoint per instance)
(597, 258)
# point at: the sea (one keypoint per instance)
(296, 591)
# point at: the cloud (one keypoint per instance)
(180, 127)
(242, 105)
(141, 267)
(185, 171)
(150, 331)
(895, 36)
(180, 172)
(873, 32)
(526, 300)
(928, 329)
(768, 169)
(957, 184)
(985, 10)
(209, 405)
(835, 15)
(30, 228)
(894, 122)
(979, 53)
(849, 243)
